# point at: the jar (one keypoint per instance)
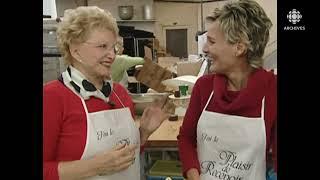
(147, 12)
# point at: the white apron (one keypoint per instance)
(106, 129)
(231, 147)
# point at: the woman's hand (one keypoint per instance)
(108, 162)
(193, 174)
(152, 118)
(118, 159)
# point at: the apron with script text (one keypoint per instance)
(106, 129)
(231, 147)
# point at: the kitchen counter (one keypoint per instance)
(165, 135)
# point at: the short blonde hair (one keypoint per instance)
(245, 21)
(77, 24)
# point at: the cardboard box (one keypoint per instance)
(151, 74)
(188, 68)
(167, 62)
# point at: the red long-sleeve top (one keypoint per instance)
(65, 123)
(246, 102)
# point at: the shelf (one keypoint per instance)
(136, 21)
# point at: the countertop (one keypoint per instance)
(165, 135)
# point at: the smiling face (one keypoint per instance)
(94, 56)
(221, 53)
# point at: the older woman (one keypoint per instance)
(88, 129)
(229, 126)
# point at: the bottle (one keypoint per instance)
(183, 90)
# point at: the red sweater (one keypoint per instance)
(246, 102)
(65, 123)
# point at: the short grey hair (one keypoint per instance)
(78, 23)
(245, 21)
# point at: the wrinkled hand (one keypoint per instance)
(153, 116)
(118, 159)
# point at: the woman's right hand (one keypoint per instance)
(105, 163)
(118, 159)
(193, 174)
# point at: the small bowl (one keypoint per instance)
(125, 12)
(143, 100)
(182, 101)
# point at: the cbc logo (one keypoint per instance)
(294, 16)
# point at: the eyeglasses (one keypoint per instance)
(106, 47)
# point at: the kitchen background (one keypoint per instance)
(171, 28)
(176, 13)
(178, 17)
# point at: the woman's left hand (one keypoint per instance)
(152, 118)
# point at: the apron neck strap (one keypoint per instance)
(118, 98)
(262, 108)
(84, 106)
(205, 107)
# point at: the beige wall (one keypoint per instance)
(166, 13)
(112, 6)
(62, 5)
(176, 15)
